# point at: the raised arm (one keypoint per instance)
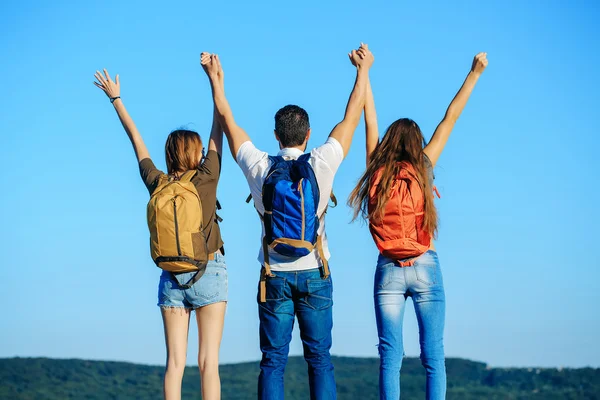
(236, 136)
(113, 91)
(344, 131)
(216, 133)
(443, 130)
(371, 129)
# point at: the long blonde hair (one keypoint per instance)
(402, 142)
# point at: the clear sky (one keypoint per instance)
(518, 178)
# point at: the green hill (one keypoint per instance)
(42, 378)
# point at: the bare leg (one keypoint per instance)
(176, 323)
(210, 321)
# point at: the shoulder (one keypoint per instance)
(330, 150)
(147, 164)
(212, 157)
(211, 165)
(149, 173)
(330, 154)
(248, 156)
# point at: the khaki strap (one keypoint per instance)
(325, 272)
(187, 177)
(293, 242)
(160, 184)
(266, 256)
(263, 286)
(265, 271)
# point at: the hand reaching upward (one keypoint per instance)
(212, 66)
(362, 58)
(479, 63)
(106, 84)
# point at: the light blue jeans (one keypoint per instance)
(210, 288)
(393, 285)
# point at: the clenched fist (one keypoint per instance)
(479, 63)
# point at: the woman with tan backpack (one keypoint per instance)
(185, 242)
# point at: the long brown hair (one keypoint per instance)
(182, 151)
(403, 142)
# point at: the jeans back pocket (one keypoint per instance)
(320, 292)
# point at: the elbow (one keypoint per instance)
(352, 118)
(452, 114)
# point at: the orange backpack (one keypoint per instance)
(400, 235)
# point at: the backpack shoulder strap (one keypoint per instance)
(276, 159)
(161, 182)
(304, 157)
(187, 177)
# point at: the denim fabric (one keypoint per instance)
(306, 295)
(393, 285)
(210, 288)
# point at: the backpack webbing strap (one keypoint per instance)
(191, 282)
(265, 271)
(325, 270)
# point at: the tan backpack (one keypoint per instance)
(177, 241)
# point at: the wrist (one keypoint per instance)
(115, 98)
(363, 71)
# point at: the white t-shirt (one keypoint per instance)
(325, 161)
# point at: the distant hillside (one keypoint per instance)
(42, 378)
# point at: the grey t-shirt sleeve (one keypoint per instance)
(149, 174)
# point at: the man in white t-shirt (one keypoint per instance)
(296, 286)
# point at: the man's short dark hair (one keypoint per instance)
(291, 125)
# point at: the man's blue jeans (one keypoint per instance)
(393, 285)
(308, 296)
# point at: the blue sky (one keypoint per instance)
(518, 177)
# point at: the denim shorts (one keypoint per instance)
(211, 288)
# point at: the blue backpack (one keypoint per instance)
(290, 196)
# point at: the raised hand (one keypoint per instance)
(362, 58)
(212, 66)
(106, 84)
(113, 91)
(479, 63)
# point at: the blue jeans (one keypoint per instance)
(393, 285)
(308, 296)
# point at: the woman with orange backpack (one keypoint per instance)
(396, 195)
(185, 242)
